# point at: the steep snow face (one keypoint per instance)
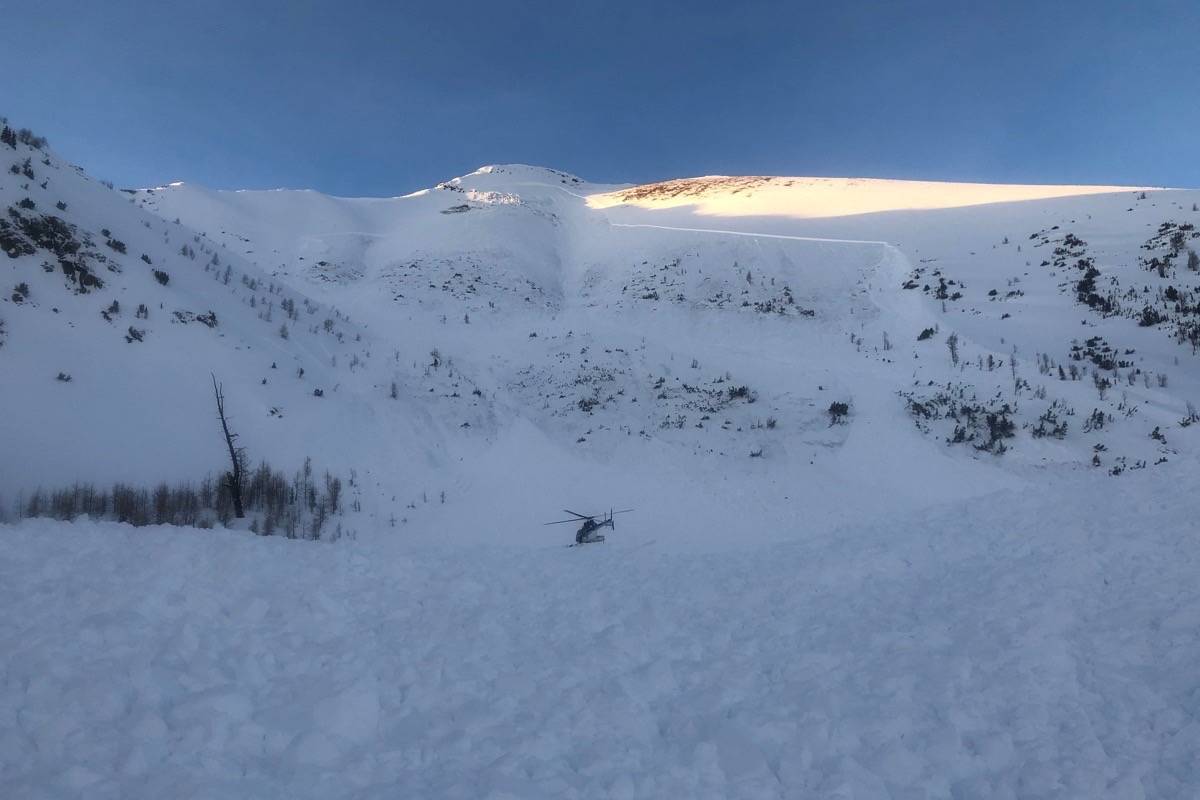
(808, 198)
(707, 329)
(319, 240)
(115, 322)
(504, 344)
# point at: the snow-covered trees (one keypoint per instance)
(294, 507)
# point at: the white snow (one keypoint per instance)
(1033, 643)
(809, 198)
(794, 609)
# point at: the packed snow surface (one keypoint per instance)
(1034, 644)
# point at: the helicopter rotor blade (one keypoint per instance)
(577, 517)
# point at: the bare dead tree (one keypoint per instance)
(235, 479)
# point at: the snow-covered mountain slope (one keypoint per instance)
(809, 198)
(944, 439)
(703, 329)
(517, 339)
(114, 320)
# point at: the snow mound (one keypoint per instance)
(526, 172)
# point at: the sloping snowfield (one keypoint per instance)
(1028, 644)
(975, 580)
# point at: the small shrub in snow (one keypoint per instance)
(999, 427)
(1095, 421)
(1049, 423)
(740, 393)
(1150, 316)
(1193, 416)
(986, 426)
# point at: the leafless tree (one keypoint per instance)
(235, 479)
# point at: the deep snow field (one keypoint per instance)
(1028, 644)
(980, 581)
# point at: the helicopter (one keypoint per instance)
(591, 523)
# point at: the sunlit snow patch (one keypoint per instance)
(722, 196)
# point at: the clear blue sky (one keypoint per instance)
(380, 98)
